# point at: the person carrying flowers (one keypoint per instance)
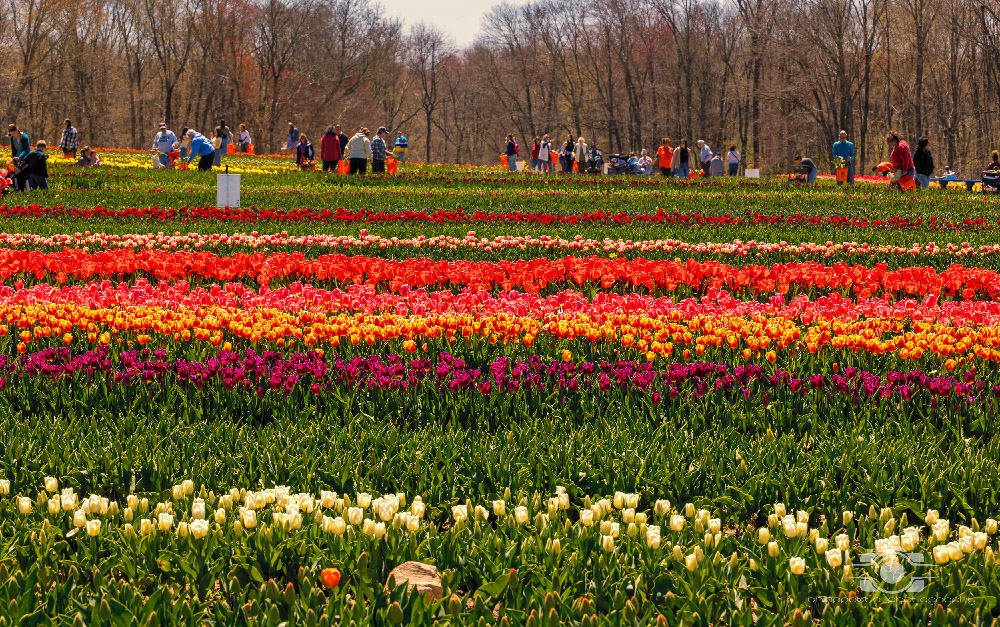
(843, 156)
(902, 162)
(305, 155)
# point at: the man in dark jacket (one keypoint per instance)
(37, 169)
(923, 163)
(343, 139)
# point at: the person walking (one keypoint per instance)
(202, 148)
(329, 149)
(843, 150)
(305, 154)
(399, 147)
(923, 163)
(245, 139)
(734, 158)
(359, 152)
(70, 139)
(342, 136)
(379, 151)
(165, 142)
(681, 161)
(292, 140)
(580, 152)
(901, 160)
(705, 156)
(665, 158)
(545, 154)
(510, 150)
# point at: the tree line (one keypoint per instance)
(773, 77)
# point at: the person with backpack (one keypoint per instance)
(329, 149)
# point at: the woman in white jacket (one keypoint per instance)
(359, 152)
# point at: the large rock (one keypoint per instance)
(423, 578)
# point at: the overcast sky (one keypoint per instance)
(459, 18)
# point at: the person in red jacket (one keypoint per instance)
(902, 162)
(330, 151)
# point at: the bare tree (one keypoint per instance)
(429, 47)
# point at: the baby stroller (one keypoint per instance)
(618, 164)
(594, 163)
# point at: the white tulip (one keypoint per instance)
(198, 511)
(607, 543)
(521, 514)
(833, 558)
(797, 565)
(364, 500)
(93, 527)
(249, 518)
(188, 487)
(165, 521)
(79, 518)
(499, 508)
(220, 516)
(199, 529)
(676, 522)
(354, 515)
(51, 484)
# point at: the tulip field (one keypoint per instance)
(585, 400)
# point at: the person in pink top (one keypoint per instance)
(901, 160)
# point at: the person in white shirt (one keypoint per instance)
(165, 142)
(359, 151)
(705, 156)
(734, 158)
(545, 154)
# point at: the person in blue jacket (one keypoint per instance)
(202, 148)
(844, 149)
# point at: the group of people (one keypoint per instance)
(335, 146)
(671, 162)
(193, 145)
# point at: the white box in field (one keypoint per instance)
(228, 190)
(753, 174)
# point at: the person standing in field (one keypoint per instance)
(226, 135)
(844, 150)
(923, 163)
(580, 153)
(734, 158)
(379, 151)
(343, 139)
(545, 154)
(665, 158)
(165, 142)
(359, 152)
(716, 165)
(245, 139)
(217, 144)
(705, 155)
(566, 155)
(305, 154)
(70, 139)
(329, 149)
(292, 140)
(400, 147)
(681, 162)
(510, 150)
(536, 146)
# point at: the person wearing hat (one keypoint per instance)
(379, 151)
(165, 142)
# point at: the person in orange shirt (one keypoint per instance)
(666, 154)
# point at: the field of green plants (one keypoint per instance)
(584, 400)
